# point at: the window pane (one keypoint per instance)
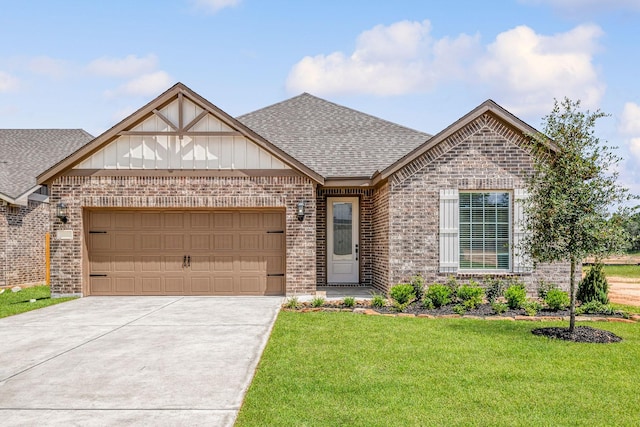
(342, 229)
(484, 231)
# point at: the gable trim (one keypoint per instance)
(178, 90)
(488, 106)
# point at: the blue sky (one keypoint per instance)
(88, 64)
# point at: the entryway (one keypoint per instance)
(343, 246)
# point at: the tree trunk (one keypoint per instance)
(572, 295)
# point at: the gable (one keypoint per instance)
(206, 142)
(179, 130)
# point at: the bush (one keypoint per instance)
(459, 309)
(556, 299)
(544, 287)
(402, 295)
(349, 302)
(531, 308)
(594, 286)
(378, 301)
(317, 302)
(494, 289)
(470, 295)
(292, 303)
(595, 307)
(453, 286)
(417, 282)
(499, 307)
(438, 295)
(516, 296)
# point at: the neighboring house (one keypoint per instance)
(24, 204)
(182, 199)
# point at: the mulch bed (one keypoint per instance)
(580, 334)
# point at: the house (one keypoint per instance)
(180, 198)
(24, 207)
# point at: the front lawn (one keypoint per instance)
(329, 369)
(18, 302)
(627, 271)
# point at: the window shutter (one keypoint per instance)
(521, 261)
(449, 224)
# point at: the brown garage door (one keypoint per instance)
(186, 252)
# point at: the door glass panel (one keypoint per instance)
(342, 228)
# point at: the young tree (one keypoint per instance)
(575, 208)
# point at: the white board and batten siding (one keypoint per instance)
(191, 152)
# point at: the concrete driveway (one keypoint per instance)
(132, 360)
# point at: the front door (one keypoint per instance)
(342, 240)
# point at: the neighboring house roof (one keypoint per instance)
(26, 153)
(333, 140)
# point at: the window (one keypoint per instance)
(484, 231)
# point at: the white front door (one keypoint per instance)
(343, 249)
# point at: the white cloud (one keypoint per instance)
(527, 70)
(213, 6)
(630, 120)
(47, 66)
(388, 60)
(144, 85)
(8, 83)
(129, 66)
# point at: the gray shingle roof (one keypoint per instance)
(333, 140)
(26, 153)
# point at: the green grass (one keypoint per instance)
(18, 302)
(330, 369)
(633, 309)
(628, 271)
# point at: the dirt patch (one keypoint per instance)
(580, 334)
(623, 290)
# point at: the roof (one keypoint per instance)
(333, 140)
(25, 153)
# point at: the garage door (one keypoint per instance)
(186, 252)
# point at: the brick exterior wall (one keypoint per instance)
(484, 155)
(182, 192)
(380, 246)
(366, 254)
(22, 243)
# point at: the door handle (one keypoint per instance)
(184, 261)
(188, 260)
(356, 251)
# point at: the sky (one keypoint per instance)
(423, 64)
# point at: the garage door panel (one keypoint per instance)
(124, 241)
(152, 285)
(125, 285)
(186, 252)
(123, 264)
(151, 241)
(100, 285)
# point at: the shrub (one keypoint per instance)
(499, 307)
(402, 295)
(438, 295)
(417, 282)
(516, 296)
(427, 303)
(494, 289)
(459, 309)
(453, 286)
(470, 295)
(595, 307)
(594, 286)
(292, 303)
(544, 287)
(556, 299)
(378, 301)
(531, 308)
(317, 302)
(349, 302)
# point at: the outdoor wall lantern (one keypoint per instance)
(300, 210)
(61, 212)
